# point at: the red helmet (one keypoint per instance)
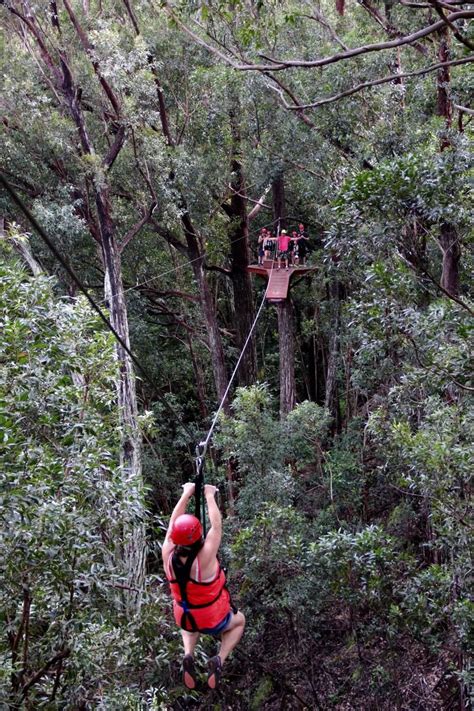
(186, 530)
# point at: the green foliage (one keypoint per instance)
(349, 539)
(63, 500)
(357, 568)
(304, 430)
(252, 434)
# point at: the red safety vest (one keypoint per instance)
(196, 605)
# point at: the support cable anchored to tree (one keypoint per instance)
(53, 249)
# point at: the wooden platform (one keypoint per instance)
(279, 279)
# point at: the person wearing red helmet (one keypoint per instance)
(201, 601)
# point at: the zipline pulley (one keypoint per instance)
(200, 506)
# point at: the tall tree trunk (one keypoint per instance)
(133, 545)
(239, 250)
(279, 205)
(286, 339)
(451, 258)
(449, 238)
(286, 327)
(331, 401)
(215, 340)
(208, 310)
(200, 385)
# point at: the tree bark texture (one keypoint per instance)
(22, 247)
(286, 339)
(134, 545)
(445, 106)
(200, 383)
(451, 258)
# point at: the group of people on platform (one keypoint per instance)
(292, 249)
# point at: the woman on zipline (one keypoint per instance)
(201, 601)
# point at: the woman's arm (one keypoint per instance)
(214, 535)
(180, 508)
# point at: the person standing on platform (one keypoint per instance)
(268, 245)
(261, 240)
(291, 247)
(283, 247)
(303, 243)
(294, 245)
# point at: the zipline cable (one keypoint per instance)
(202, 447)
(205, 443)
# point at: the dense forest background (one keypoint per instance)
(152, 141)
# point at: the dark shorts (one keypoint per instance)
(283, 255)
(217, 629)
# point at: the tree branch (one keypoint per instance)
(259, 203)
(48, 60)
(39, 674)
(438, 6)
(72, 97)
(165, 127)
(319, 17)
(436, 283)
(115, 148)
(464, 109)
(220, 270)
(155, 309)
(133, 231)
(387, 26)
(132, 17)
(166, 235)
(22, 184)
(53, 6)
(169, 11)
(279, 65)
(377, 82)
(282, 88)
(21, 246)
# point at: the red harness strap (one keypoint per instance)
(183, 579)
